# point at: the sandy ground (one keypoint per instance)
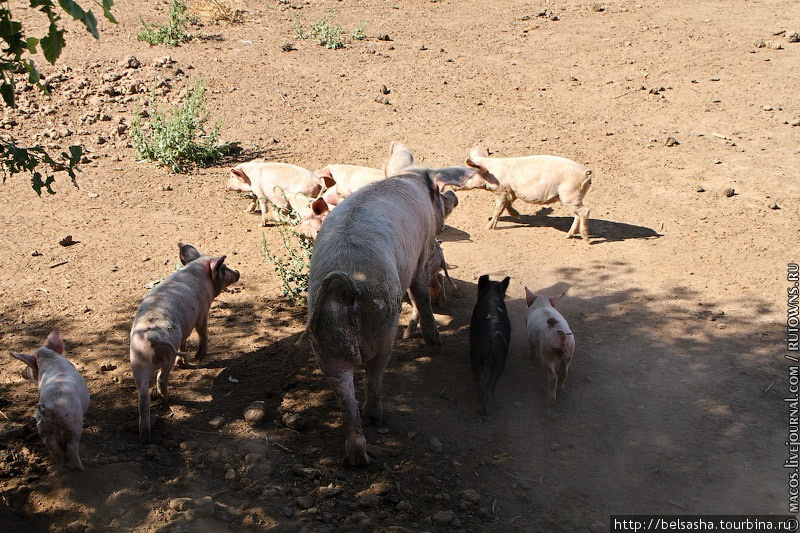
(675, 401)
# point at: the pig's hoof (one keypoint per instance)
(356, 450)
(434, 341)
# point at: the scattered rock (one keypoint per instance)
(66, 240)
(442, 518)
(230, 475)
(130, 62)
(382, 100)
(700, 189)
(384, 37)
(672, 141)
(288, 47)
(255, 412)
(293, 421)
(181, 504)
(404, 505)
(470, 496)
(107, 367)
(166, 187)
(793, 37)
(774, 205)
(36, 253)
(385, 90)
(729, 192)
(78, 526)
(216, 422)
(436, 445)
(203, 507)
(368, 499)
(306, 472)
(305, 502)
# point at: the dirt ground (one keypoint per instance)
(675, 401)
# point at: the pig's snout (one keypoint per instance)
(236, 184)
(233, 275)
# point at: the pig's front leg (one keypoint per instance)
(421, 302)
(262, 203)
(373, 410)
(413, 321)
(502, 200)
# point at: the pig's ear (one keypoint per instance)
(188, 253)
(555, 300)
(529, 297)
(29, 360)
(483, 281)
(326, 177)
(55, 342)
(505, 283)
(215, 265)
(319, 206)
(455, 176)
(478, 151)
(239, 173)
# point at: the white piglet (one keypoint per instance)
(276, 183)
(536, 179)
(550, 339)
(63, 399)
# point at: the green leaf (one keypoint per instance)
(107, 11)
(31, 44)
(74, 10)
(91, 24)
(53, 43)
(7, 91)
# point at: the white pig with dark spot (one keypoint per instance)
(272, 184)
(165, 319)
(537, 179)
(550, 339)
(63, 399)
(371, 249)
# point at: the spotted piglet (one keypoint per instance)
(63, 399)
(550, 339)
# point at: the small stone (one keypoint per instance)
(700, 189)
(436, 445)
(216, 422)
(254, 414)
(793, 37)
(368, 499)
(130, 62)
(383, 431)
(306, 472)
(760, 43)
(774, 205)
(382, 100)
(305, 502)
(181, 504)
(101, 140)
(288, 47)
(36, 253)
(442, 518)
(107, 367)
(204, 507)
(166, 187)
(729, 192)
(93, 195)
(671, 141)
(384, 37)
(293, 421)
(403, 506)
(767, 108)
(230, 475)
(384, 89)
(78, 526)
(470, 496)
(66, 240)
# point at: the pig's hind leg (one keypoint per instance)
(73, 438)
(421, 302)
(202, 331)
(49, 435)
(373, 409)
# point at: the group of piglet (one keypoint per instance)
(375, 248)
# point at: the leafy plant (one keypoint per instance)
(13, 158)
(293, 264)
(323, 31)
(179, 138)
(171, 34)
(359, 34)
